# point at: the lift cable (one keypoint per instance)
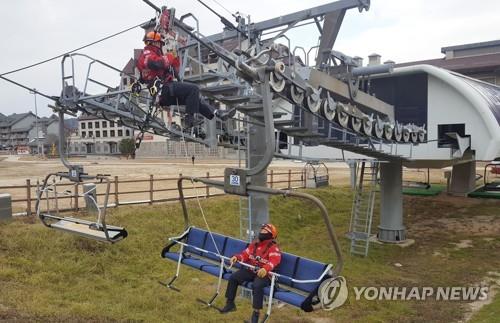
(53, 98)
(227, 10)
(74, 50)
(224, 21)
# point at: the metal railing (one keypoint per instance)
(149, 190)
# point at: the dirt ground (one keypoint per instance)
(14, 170)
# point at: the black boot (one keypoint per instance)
(255, 317)
(229, 307)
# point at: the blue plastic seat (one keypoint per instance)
(186, 260)
(234, 246)
(287, 268)
(306, 270)
(218, 248)
(196, 238)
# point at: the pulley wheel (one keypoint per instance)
(297, 95)
(367, 126)
(414, 137)
(341, 116)
(398, 132)
(356, 123)
(328, 109)
(314, 102)
(276, 82)
(406, 134)
(378, 128)
(388, 131)
(421, 136)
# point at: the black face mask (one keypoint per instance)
(265, 236)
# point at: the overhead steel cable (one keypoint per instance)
(74, 50)
(223, 19)
(53, 98)
(229, 12)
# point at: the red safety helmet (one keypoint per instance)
(268, 227)
(152, 36)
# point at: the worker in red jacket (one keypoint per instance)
(265, 255)
(154, 65)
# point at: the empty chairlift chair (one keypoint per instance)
(316, 174)
(52, 218)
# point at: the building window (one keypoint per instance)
(90, 125)
(91, 134)
(98, 134)
(112, 124)
(120, 133)
(104, 133)
(97, 124)
(127, 133)
(97, 148)
(112, 132)
(83, 125)
(84, 134)
(104, 124)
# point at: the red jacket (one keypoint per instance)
(265, 254)
(152, 63)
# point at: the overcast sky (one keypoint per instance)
(33, 30)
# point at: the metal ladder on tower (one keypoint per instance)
(362, 208)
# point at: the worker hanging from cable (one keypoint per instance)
(265, 255)
(159, 70)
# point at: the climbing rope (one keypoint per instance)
(194, 187)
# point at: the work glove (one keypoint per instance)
(233, 260)
(262, 273)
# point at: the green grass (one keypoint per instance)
(47, 275)
(489, 314)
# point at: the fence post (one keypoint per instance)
(151, 189)
(28, 197)
(76, 197)
(208, 187)
(289, 179)
(272, 178)
(303, 175)
(117, 201)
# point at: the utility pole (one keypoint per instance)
(36, 125)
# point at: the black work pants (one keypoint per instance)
(180, 93)
(244, 275)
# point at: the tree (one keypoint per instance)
(127, 147)
(51, 143)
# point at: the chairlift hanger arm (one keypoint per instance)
(265, 190)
